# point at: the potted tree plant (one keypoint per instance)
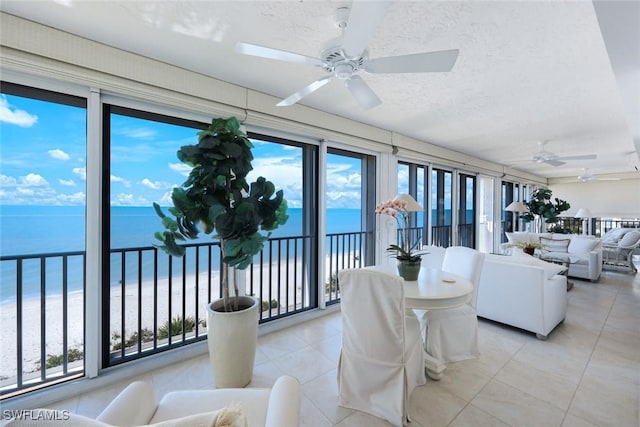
(217, 200)
(541, 207)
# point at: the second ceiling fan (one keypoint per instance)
(543, 156)
(348, 55)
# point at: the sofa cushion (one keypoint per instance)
(555, 245)
(582, 245)
(629, 239)
(612, 237)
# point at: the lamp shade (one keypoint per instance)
(410, 203)
(583, 213)
(516, 207)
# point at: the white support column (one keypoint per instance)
(93, 243)
(455, 201)
(497, 215)
(387, 188)
(322, 222)
(429, 184)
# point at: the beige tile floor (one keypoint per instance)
(586, 374)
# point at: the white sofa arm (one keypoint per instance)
(595, 264)
(555, 304)
(284, 403)
(135, 405)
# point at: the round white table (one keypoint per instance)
(436, 290)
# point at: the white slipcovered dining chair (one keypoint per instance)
(451, 334)
(434, 256)
(382, 359)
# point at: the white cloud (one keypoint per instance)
(155, 185)
(165, 200)
(67, 183)
(343, 199)
(75, 198)
(59, 154)
(7, 181)
(81, 173)
(121, 180)
(124, 199)
(128, 199)
(33, 180)
(181, 168)
(15, 117)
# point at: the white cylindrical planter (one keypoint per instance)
(232, 338)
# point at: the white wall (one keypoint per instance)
(605, 199)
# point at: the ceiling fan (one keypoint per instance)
(544, 156)
(347, 55)
(586, 176)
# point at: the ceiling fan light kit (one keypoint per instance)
(348, 55)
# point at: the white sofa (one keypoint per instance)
(522, 291)
(583, 252)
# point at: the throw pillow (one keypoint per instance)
(518, 236)
(629, 239)
(582, 245)
(611, 237)
(553, 245)
(231, 416)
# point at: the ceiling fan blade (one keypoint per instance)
(582, 157)
(292, 99)
(439, 61)
(277, 54)
(363, 94)
(364, 19)
(554, 162)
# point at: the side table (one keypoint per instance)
(561, 260)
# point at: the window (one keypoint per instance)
(42, 226)
(411, 180)
(157, 302)
(466, 210)
(441, 181)
(349, 216)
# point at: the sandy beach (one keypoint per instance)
(32, 312)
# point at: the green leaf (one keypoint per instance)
(232, 125)
(208, 142)
(158, 210)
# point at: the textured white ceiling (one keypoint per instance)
(527, 71)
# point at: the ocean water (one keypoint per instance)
(45, 229)
(28, 230)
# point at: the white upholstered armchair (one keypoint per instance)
(137, 405)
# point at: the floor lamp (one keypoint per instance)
(516, 208)
(584, 214)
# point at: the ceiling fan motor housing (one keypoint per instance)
(337, 63)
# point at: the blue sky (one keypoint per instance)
(43, 159)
